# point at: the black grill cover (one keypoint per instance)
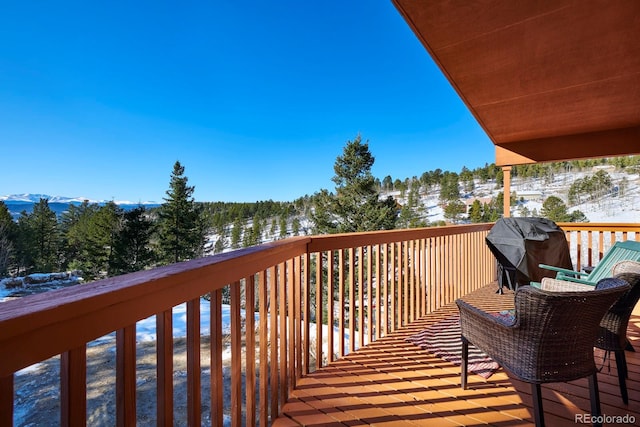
(520, 244)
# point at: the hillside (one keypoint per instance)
(617, 206)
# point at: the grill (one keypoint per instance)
(520, 244)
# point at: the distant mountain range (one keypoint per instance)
(16, 203)
(35, 198)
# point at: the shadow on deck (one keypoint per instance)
(395, 383)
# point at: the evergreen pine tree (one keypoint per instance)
(554, 209)
(295, 226)
(43, 237)
(23, 249)
(8, 232)
(75, 228)
(449, 187)
(453, 210)
(181, 229)
(283, 226)
(132, 249)
(219, 246)
(356, 205)
(236, 233)
(99, 251)
(475, 212)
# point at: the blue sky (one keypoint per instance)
(256, 99)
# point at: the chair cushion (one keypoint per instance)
(610, 282)
(625, 267)
(508, 317)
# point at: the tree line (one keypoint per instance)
(104, 240)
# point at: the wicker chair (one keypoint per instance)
(612, 335)
(550, 339)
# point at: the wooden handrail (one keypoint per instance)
(37, 327)
(342, 291)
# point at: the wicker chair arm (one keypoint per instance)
(475, 325)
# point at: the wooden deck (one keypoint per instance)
(395, 383)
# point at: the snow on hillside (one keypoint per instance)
(621, 207)
(624, 207)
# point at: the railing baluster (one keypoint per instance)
(194, 411)
(164, 368)
(250, 342)
(360, 288)
(296, 346)
(293, 291)
(600, 245)
(423, 277)
(264, 349)
(341, 286)
(404, 270)
(437, 284)
(447, 269)
(590, 260)
(369, 294)
(319, 305)
(392, 290)
(236, 356)
(379, 283)
(73, 387)
(215, 345)
(273, 339)
(126, 376)
(579, 251)
(463, 275)
(384, 283)
(6, 401)
(330, 305)
(415, 278)
(352, 301)
(430, 255)
(306, 339)
(283, 337)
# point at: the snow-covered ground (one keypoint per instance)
(624, 207)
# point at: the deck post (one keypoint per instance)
(506, 171)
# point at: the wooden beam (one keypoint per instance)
(610, 143)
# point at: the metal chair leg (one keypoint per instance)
(595, 397)
(538, 413)
(621, 366)
(463, 364)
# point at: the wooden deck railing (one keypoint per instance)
(315, 299)
(590, 241)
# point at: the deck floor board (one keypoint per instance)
(392, 382)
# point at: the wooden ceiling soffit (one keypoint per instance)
(546, 80)
(611, 143)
